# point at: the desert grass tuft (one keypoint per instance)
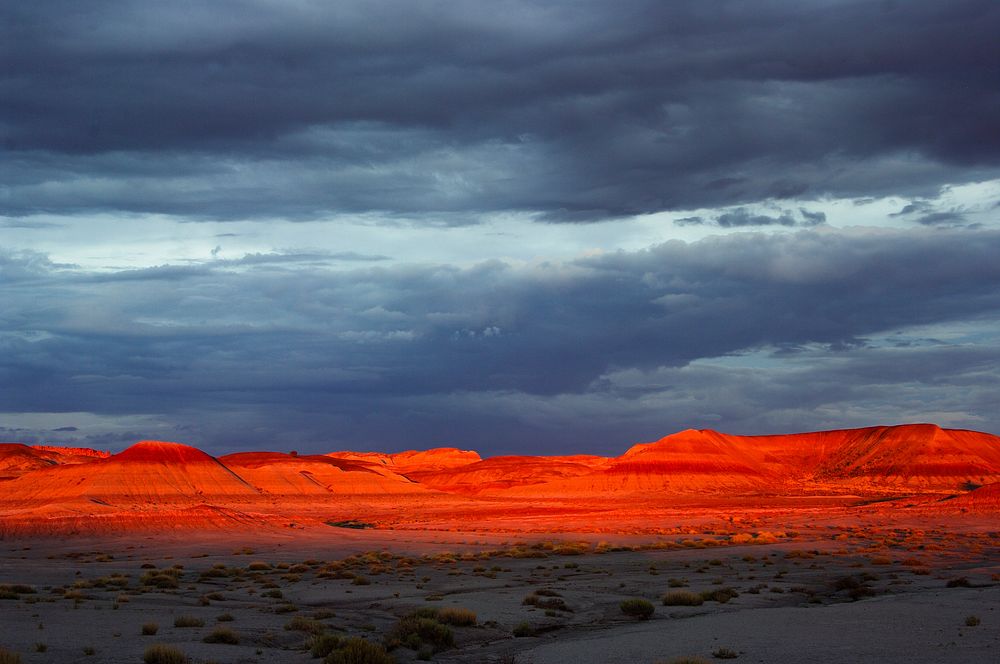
(150, 629)
(682, 598)
(188, 621)
(323, 644)
(358, 651)
(303, 624)
(637, 608)
(722, 595)
(9, 657)
(161, 654)
(419, 629)
(222, 635)
(456, 616)
(523, 629)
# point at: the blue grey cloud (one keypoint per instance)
(388, 355)
(441, 112)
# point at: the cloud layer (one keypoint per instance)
(304, 351)
(570, 111)
(471, 174)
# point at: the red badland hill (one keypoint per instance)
(423, 461)
(293, 475)
(151, 478)
(149, 472)
(17, 459)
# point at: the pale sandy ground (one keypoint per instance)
(913, 617)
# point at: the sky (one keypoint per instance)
(515, 227)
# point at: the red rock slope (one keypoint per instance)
(413, 461)
(293, 475)
(887, 459)
(148, 473)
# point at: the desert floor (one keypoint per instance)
(832, 592)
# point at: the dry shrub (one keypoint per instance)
(725, 653)
(161, 654)
(722, 595)
(303, 624)
(188, 621)
(456, 616)
(222, 635)
(9, 657)
(682, 598)
(359, 651)
(523, 629)
(420, 629)
(637, 608)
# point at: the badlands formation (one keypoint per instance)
(919, 468)
(863, 545)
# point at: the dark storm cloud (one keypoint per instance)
(574, 111)
(413, 355)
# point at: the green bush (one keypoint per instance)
(637, 608)
(161, 654)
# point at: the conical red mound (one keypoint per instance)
(149, 472)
